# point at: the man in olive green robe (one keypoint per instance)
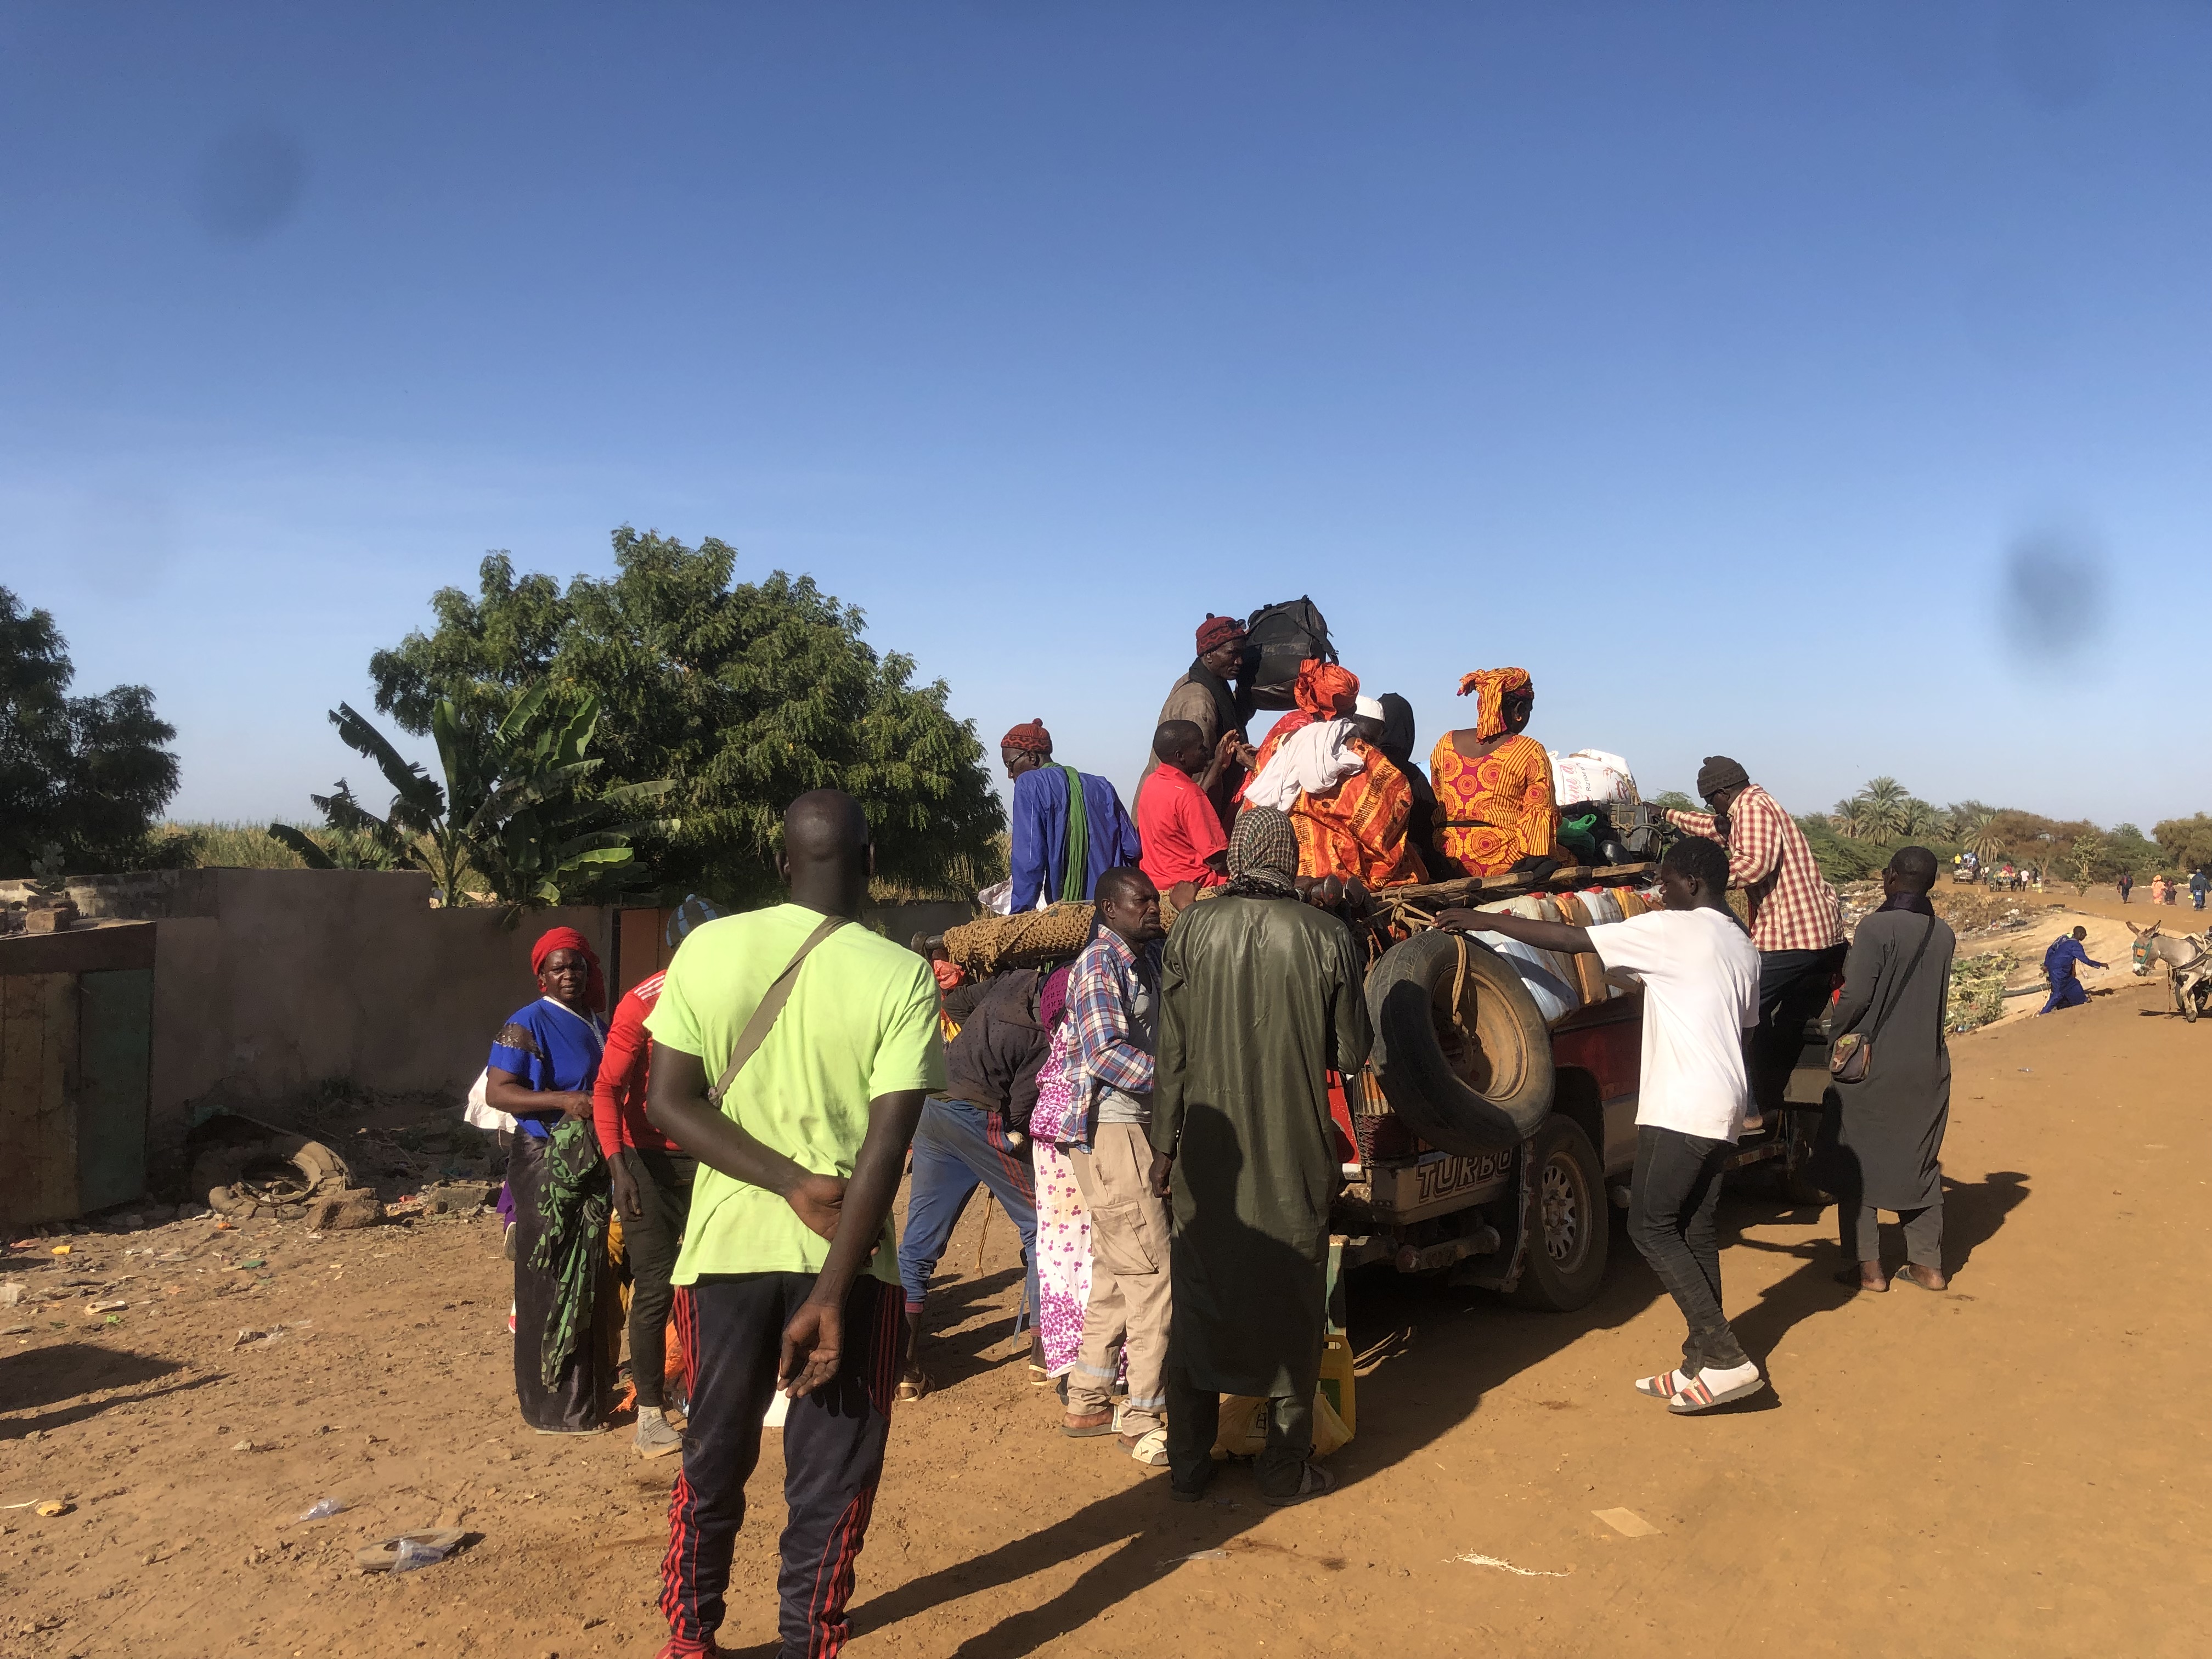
(1260, 997)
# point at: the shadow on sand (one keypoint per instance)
(1439, 1352)
(68, 1370)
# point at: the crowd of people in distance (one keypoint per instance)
(1153, 1114)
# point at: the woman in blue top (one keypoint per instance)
(568, 1315)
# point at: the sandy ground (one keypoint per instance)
(2016, 1468)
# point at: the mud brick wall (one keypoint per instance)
(266, 983)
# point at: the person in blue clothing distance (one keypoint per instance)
(2059, 962)
(1068, 828)
(2198, 882)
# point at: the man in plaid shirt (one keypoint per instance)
(1114, 995)
(1796, 925)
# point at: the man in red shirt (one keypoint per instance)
(651, 1177)
(1179, 831)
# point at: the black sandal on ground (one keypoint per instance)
(1314, 1481)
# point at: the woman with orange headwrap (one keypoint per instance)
(1323, 691)
(1357, 827)
(1494, 804)
(1351, 813)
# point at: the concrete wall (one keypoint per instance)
(268, 982)
(646, 949)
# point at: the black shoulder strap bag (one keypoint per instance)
(1853, 1052)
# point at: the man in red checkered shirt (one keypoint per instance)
(1796, 925)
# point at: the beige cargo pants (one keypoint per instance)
(1129, 1301)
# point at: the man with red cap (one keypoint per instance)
(1067, 827)
(1221, 711)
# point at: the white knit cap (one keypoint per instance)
(1367, 709)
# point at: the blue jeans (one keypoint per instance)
(955, 1149)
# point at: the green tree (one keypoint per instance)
(1841, 858)
(1980, 834)
(1916, 820)
(745, 694)
(1885, 797)
(2128, 849)
(509, 816)
(2187, 842)
(1855, 819)
(2083, 859)
(1961, 813)
(82, 779)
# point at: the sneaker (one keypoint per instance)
(507, 1243)
(510, 1319)
(655, 1438)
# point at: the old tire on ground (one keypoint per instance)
(1569, 1227)
(280, 1168)
(1466, 1097)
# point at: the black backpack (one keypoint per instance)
(1276, 641)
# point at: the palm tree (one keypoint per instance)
(1856, 820)
(1916, 817)
(1885, 797)
(507, 815)
(1979, 836)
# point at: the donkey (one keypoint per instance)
(2188, 959)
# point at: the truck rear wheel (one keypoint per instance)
(1481, 1084)
(1569, 1228)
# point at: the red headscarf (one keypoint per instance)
(568, 938)
(1218, 631)
(1032, 738)
(1325, 691)
(1492, 686)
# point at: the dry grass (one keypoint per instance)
(231, 847)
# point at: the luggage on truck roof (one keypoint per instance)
(1276, 639)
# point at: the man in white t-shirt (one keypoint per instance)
(1701, 977)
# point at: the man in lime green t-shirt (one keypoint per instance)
(788, 1268)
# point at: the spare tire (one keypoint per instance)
(1480, 1091)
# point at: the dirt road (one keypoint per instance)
(2016, 1468)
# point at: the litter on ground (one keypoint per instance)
(1627, 1523)
(1477, 1560)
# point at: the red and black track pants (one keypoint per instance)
(731, 1332)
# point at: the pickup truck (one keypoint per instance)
(1489, 1141)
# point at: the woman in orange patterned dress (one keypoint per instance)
(1494, 804)
(1356, 827)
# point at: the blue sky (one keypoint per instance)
(1741, 371)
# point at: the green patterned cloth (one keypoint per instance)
(1078, 840)
(572, 1208)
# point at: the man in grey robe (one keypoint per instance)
(1261, 996)
(1221, 710)
(1881, 1142)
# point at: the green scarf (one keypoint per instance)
(1078, 839)
(572, 1212)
